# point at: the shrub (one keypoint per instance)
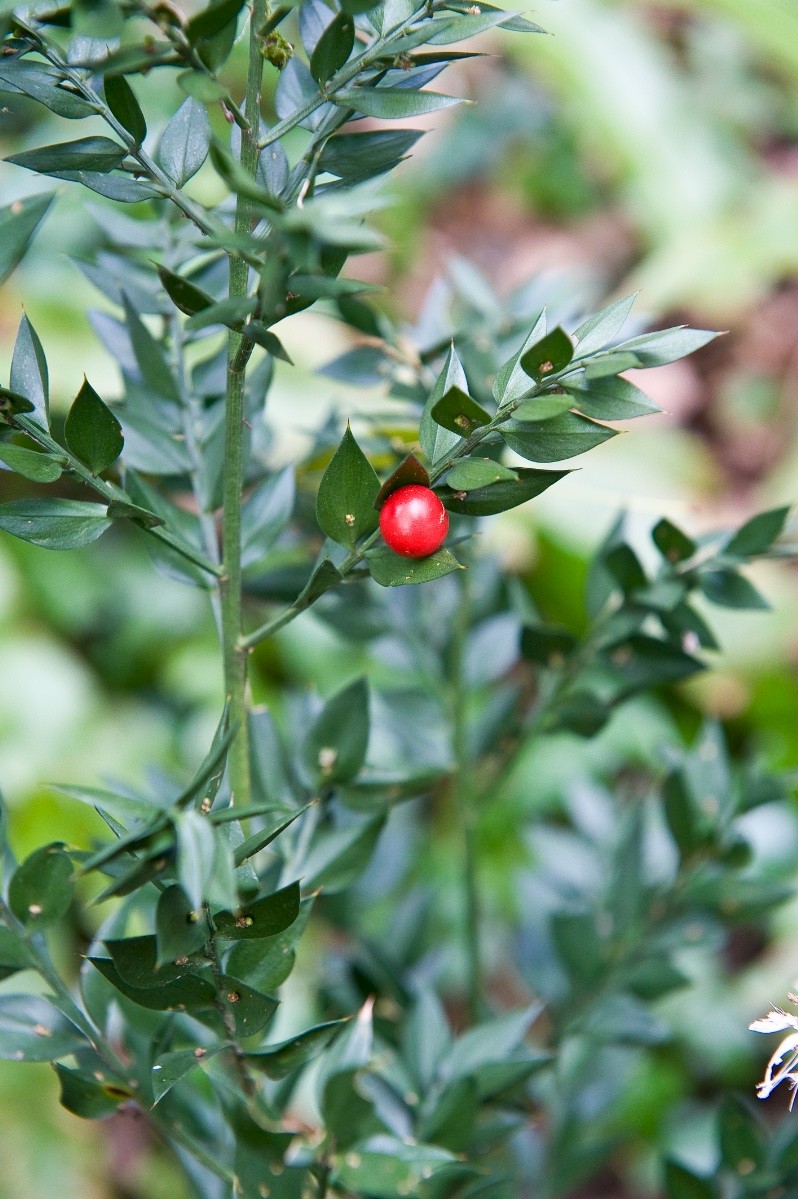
(319, 821)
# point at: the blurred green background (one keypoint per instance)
(648, 144)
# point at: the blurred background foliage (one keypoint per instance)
(648, 144)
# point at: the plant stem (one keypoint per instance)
(191, 412)
(463, 797)
(235, 654)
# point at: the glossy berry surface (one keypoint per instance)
(413, 521)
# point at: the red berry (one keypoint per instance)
(413, 521)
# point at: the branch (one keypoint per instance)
(357, 556)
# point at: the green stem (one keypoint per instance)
(462, 793)
(191, 413)
(235, 654)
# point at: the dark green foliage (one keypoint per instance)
(352, 812)
(92, 432)
(348, 489)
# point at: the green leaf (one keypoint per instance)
(189, 992)
(681, 1183)
(491, 1041)
(347, 1109)
(511, 382)
(99, 154)
(551, 354)
(18, 223)
(30, 464)
(202, 87)
(185, 142)
(671, 542)
(408, 471)
(251, 1011)
(33, 1030)
(179, 930)
(555, 440)
(258, 841)
(136, 960)
(610, 363)
(240, 181)
(89, 1097)
(212, 20)
(580, 712)
(384, 1167)
(265, 515)
(654, 977)
(184, 295)
(667, 345)
(265, 917)
(41, 888)
(499, 497)
(680, 815)
(625, 568)
(578, 946)
(280, 1060)
(196, 850)
(548, 645)
(436, 441)
(259, 333)
(426, 1038)
(392, 103)
(472, 474)
(149, 355)
(92, 432)
(359, 156)
(609, 399)
(335, 746)
(54, 524)
(338, 856)
(394, 570)
(113, 187)
(42, 82)
(543, 407)
(345, 502)
(14, 953)
(266, 964)
(122, 102)
(324, 578)
(449, 1121)
(29, 377)
(757, 535)
(741, 1141)
(231, 312)
(643, 661)
(728, 589)
(463, 28)
(458, 412)
(333, 48)
(623, 1020)
(205, 783)
(597, 331)
(171, 1068)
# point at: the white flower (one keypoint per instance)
(778, 1070)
